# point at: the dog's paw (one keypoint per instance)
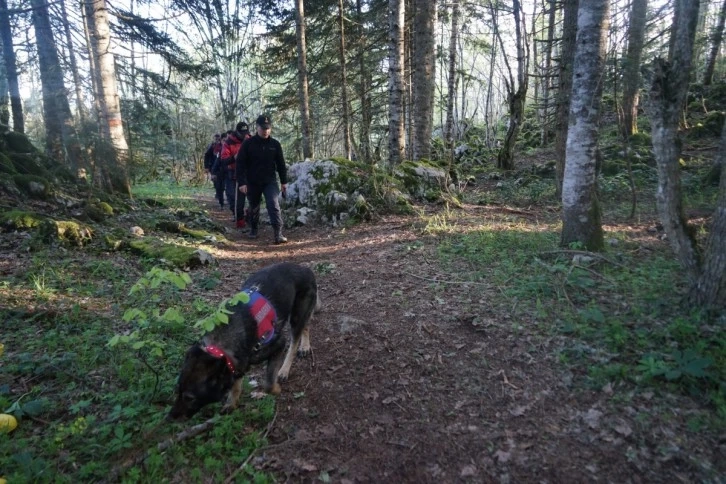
(257, 395)
(304, 352)
(282, 376)
(227, 409)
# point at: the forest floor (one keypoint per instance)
(419, 374)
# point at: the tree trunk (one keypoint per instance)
(365, 86)
(61, 142)
(564, 90)
(4, 96)
(631, 74)
(453, 79)
(424, 77)
(715, 46)
(344, 84)
(11, 68)
(516, 93)
(580, 206)
(302, 79)
(709, 288)
(547, 74)
(80, 108)
(113, 170)
(396, 131)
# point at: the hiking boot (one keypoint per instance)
(279, 238)
(253, 233)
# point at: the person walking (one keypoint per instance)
(210, 157)
(229, 154)
(259, 161)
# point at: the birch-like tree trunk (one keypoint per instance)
(302, 80)
(344, 84)
(11, 68)
(547, 73)
(716, 40)
(114, 171)
(453, 79)
(366, 117)
(424, 76)
(396, 130)
(60, 140)
(4, 93)
(705, 269)
(580, 207)
(564, 90)
(631, 72)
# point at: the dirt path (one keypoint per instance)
(418, 381)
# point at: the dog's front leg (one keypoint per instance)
(273, 366)
(233, 396)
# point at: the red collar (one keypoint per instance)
(218, 353)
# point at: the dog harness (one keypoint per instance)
(264, 314)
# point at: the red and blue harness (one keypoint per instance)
(265, 316)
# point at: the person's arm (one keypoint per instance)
(281, 167)
(241, 166)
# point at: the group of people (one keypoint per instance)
(243, 166)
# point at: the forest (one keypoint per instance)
(515, 211)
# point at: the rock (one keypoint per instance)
(136, 231)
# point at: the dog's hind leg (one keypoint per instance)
(289, 358)
(271, 375)
(304, 343)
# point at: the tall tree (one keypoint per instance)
(705, 267)
(564, 89)
(110, 174)
(4, 92)
(344, 83)
(396, 128)
(453, 79)
(580, 206)
(366, 117)
(716, 39)
(302, 79)
(547, 72)
(80, 108)
(61, 142)
(516, 90)
(11, 68)
(424, 80)
(631, 71)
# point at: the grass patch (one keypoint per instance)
(85, 406)
(622, 315)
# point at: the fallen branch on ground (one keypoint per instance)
(162, 446)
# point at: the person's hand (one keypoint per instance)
(284, 188)
(243, 189)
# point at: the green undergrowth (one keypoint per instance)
(621, 314)
(92, 347)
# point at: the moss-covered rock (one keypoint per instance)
(29, 164)
(66, 232)
(421, 178)
(18, 143)
(6, 165)
(177, 255)
(33, 186)
(98, 211)
(20, 220)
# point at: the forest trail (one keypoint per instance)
(419, 377)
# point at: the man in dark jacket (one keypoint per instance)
(229, 154)
(259, 161)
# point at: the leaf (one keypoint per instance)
(114, 341)
(209, 325)
(138, 345)
(34, 407)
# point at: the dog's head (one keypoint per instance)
(204, 379)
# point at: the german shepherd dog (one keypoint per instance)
(214, 367)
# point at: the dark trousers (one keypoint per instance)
(219, 190)
(271, 192)
(232, 198)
